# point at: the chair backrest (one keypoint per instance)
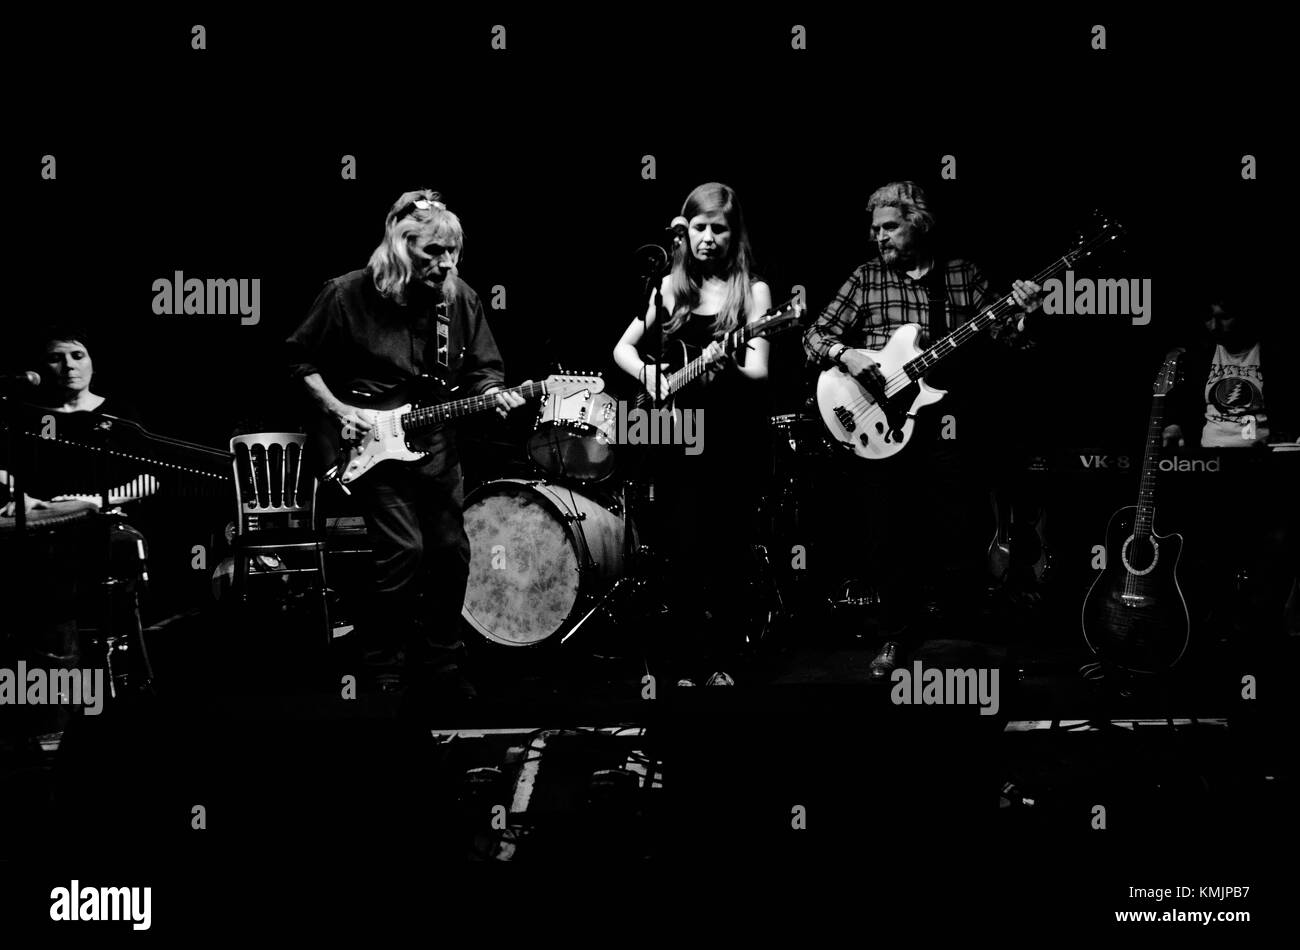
(270, 477)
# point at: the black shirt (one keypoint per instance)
(61, 452)
(368, 347)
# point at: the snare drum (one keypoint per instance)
(539, 554)
(575, 435)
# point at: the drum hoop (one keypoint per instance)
(46, 519)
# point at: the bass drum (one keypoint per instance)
(539, 555)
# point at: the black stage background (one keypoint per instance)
(226, 163)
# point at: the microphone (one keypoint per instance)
(26, 378)
(677, 229)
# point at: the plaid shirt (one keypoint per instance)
(876, 300)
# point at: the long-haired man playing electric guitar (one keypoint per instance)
(370, 334)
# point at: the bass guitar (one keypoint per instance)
(1134, 616)
(877, 423)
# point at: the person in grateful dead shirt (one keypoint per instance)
(1227, 375)
(1235, 400)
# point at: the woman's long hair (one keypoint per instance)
(420, 215)
(687, 275)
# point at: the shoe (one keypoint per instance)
(885, 661)
(720, 679)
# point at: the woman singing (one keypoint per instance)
(706, 491)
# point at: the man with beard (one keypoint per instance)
(913, 511)
(371, 334)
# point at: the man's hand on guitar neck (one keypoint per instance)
(506, 400)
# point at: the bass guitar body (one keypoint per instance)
(1135, 616)
(876, 425)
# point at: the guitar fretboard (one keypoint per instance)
(732, 341)
(925, 362)
(697, 367)
(457, 408)
(1150, 466)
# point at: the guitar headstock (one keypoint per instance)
(1169, 373)
(1102, 232)
(778, 318)
(568, 384)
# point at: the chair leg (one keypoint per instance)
(239, 580)
(324, 597)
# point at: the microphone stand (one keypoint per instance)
(13, 447)
(109, 583)
(657, 265)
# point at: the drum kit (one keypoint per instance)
(548, 554)
(553, 553)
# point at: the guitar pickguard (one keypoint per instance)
(859, 418)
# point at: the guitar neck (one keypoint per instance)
(948, 345)
(691, 371)
(1146, 505)
(733, 341)
(457, 408)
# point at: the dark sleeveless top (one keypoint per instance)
(734, 406)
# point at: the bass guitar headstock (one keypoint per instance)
(1102, 233)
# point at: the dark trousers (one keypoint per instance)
(414, 517)
(706, 517)
(912, 524)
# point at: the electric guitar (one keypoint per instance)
(396, 429)
(694, 363)
(876, 423)
(1135, 616)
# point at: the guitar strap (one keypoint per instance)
(936, 292)
(443, 330)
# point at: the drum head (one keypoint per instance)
(574, 439)
(571, 451)
(524, 574)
